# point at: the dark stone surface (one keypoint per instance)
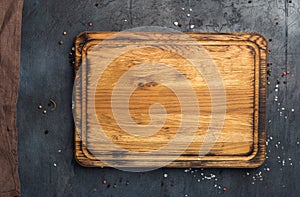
(46, 73)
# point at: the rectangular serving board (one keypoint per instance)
(238, 59)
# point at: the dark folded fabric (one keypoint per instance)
(10, 39)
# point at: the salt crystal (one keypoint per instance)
(192, 26)
(188, 15)
(293, 110)
(176, 23)
(165, 175)
(54, 164)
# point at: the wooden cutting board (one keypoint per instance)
(170, 99)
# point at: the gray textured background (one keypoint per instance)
(46, 73)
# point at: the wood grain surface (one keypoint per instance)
(240, 60)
